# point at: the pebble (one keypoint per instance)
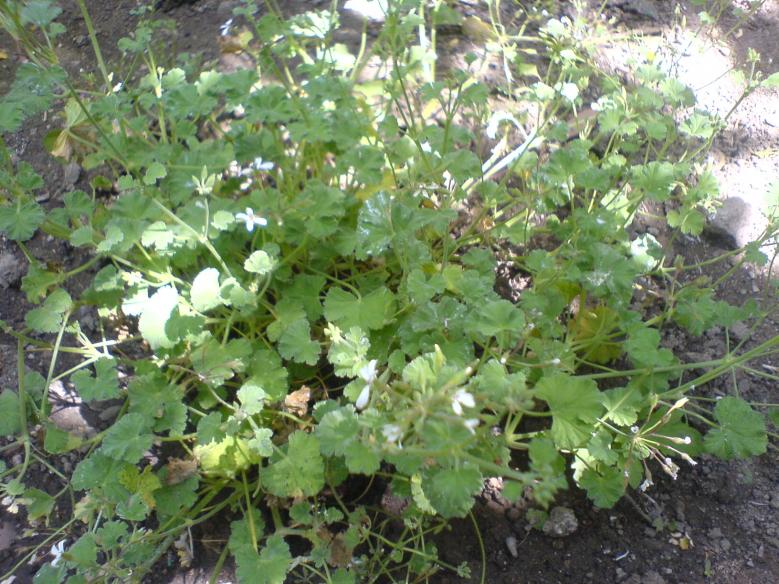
(511, 545)
(562, 522)
(11, 269)
(715, 533)
(70, 175)
(724, 544)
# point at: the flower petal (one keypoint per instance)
(362, 399)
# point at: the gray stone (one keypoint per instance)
(562, 522)
(511, 545)
(652, 577)
(11, 269)
(70, 175)
(7, 535)
(739, 331)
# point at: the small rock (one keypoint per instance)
(621, 574)
(514, 514)
(225, 9)
(562, 522)
(652, 577)
(511, 545)
(724, 544)
(7, 535)
(715, 533)
(11, 269)
(70, 175)
(109, 413)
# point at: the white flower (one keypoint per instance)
(471, 424)
(251, 219)
(57, 550)
(569, 91)
(225, 28)
(492, 126)
(262, 165)
(555, 361)
(645, 485)
(368, 375)
(392, 433)
(368, 372)
(462, 398)
(362, 399)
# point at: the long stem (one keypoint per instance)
(95, 44)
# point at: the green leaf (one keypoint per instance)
(155, 315)
(259, 263)
(421, 289)
(171, 499)
(10, 416)
(741, 433)
(773, 415)
(57, 441)
(268, 373)
(49, 317)
(20, 221)
(155, 172)
(261, 444)
(374, 225)
(78, 204)
(299, 471)
(605, 488)
(268, 567)
(623, 404)
(348, 351)
(84, 552)
(128, 438)
(451, 490)
(575, 404)
(599, 448)
(643, 348)
(38, 281)
(252, 398)
(295, 343)
(158, 235)
(771, 81)
(369, 312)
(226, 457)
(48, 574)
(39, 503)
(304, 291)
(656, 179)
(498, 316)
(361, 459)
(82, 236)
(104, 385)
(689, 221)
(159, 402)
(39, 12)
(205, 292)
(336, 430)
(209, 429)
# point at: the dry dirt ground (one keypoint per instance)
(728, 512)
